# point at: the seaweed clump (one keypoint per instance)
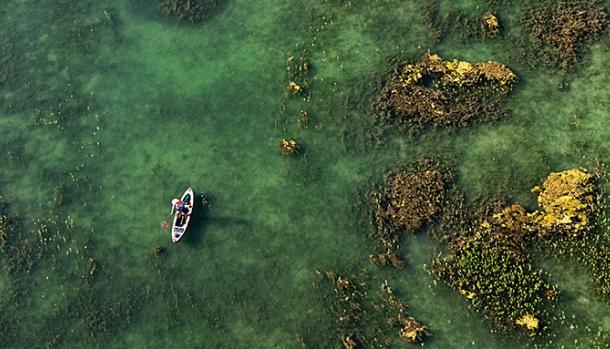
(490, 24)
(193, 11)
(410, 199)
(299, 72)
(363, 318)
(288, 147)
(558, 32)
(444, 93)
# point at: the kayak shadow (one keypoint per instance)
(201, 221)
(198, 225)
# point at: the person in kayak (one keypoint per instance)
(179, 207)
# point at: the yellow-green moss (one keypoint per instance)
(529, 322)
(566, 200)
(458, 72)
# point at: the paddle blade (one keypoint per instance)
(164, 224)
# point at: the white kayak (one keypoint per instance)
(181, 222)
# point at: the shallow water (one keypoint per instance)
(148, 107)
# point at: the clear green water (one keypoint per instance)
(150, 107)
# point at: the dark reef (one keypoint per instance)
(559, 31)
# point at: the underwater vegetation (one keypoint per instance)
(86, 307)
(363, 318)
(193, 11)
(101, 303)
(491, 269)
(558, 31)
(490, 265)
(591, 250)
(410, 198)
(296, 94)
(443, 93)
(19, 254)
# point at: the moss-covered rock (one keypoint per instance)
(529, 322)
(567, 201)
(575, 224)
(412, 330)
(446, 93)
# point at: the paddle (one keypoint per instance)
(165, 224)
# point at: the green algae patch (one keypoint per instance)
(410, 198)
(558, 32)
(444, 93)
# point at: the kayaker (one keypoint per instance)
(178, 206)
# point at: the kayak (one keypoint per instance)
(181, 222)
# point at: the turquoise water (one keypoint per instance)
(145, 107)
